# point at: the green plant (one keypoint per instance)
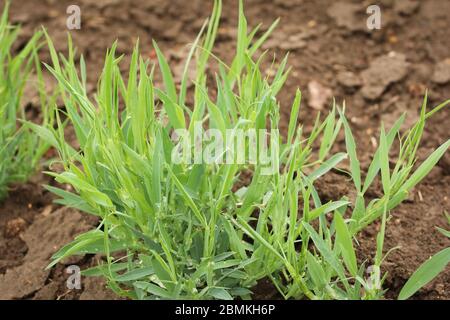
(428, 270)
(330, 269)
(196, 230)
(20, 149)
(168, 217)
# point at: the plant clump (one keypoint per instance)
(173, 229)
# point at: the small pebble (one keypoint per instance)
(441, 73)
(14, 227)
(348, 79)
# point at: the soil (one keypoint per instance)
(379, 73)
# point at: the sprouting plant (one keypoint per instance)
(428, 270)
(20, 149)
(177, 225)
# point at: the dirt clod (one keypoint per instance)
(441, 73)
(382, 72)
(42, 238)
(348, 79)
(319, 95)
(346, 15)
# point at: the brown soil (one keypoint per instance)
(380, 74)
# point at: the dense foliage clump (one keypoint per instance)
(173, 229)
